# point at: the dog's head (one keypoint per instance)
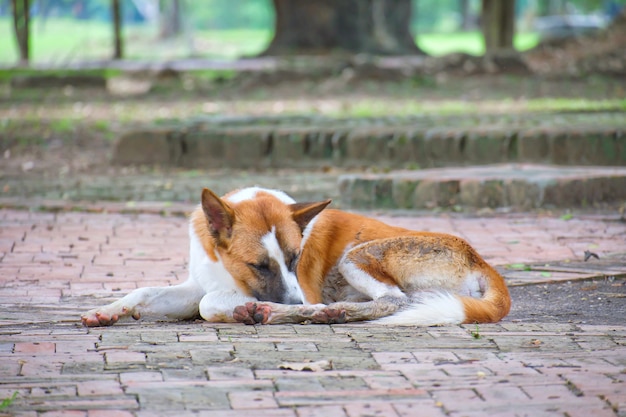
(258, 239)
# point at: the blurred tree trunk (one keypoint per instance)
(498, 24)
(170, 19)
(353, 26)
(118, 51)
(21, 19)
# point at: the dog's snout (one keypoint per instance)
(293, 300)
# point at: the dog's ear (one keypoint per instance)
(303, 213)
(219, 215)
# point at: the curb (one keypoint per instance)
(391, 143)
(509, 185)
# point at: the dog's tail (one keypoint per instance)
(438, 307)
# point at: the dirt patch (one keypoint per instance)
(599, 301)
(601, 53)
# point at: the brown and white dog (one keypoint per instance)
(257, 256)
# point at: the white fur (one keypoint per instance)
(306, 233)
(251, 192)
(365, 283)
(220, 292)
(473, 285)
(432, 309)
(211, 276)
(294, 292)
(175, 302)
(219, 305)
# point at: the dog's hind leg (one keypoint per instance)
(340, 312)
(370, 310)
(254, 312)
(175, 302)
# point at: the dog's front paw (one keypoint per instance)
(95, 318)
(252, 313)
(106, 316)
(329, 315)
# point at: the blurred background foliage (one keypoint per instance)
(64, 31)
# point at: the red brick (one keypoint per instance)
(423, 408)
(130, 377)
(291, 398)
(370, 409)
(122, 286)
(435, 357)
(459, 399)
(40, 367)
(53, 390)
(9, 366)
(64, 413)
(503, 394)
(217, 373)
(386, 358)
(252, 400)
(321, 411)
(93, 286)
(20, 414)
(77, 346)
(387, 382)
(96, 387)
(35, 347)
(109, 413)
(600, 410)
(94, 403)
(269, 412)
(555, 392)
(592, 383)
(124, 357)
(198, 337)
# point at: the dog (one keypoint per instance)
(257, 256)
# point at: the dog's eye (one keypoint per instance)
(262, 268)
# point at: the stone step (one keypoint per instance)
(392, 142)
(520, 186)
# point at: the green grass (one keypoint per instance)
(378, 108)
(6, 402)
(65, 40)
(62, 125)
(7, 74)
(62, 41)
(476, 333)
(59, 41)
(581, 104)
(438, 44)
(213, 75)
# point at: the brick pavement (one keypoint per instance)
(53, 266)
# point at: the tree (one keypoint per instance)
(498, 24)
(21, 19)
(352, 26)
(170, 19)
(118, 52)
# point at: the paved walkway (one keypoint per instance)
(54, 265)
